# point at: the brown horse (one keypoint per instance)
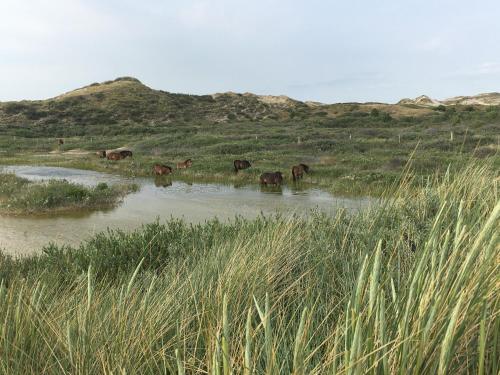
(241, 164)
(125, 153)
(271, 178)
(160, 169)
(101, 154)
(298, 171)
(114, 155)
(60, 141)
(185, 164)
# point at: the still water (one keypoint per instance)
(156, 199)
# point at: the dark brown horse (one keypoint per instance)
(271, 178)
(161, 170)
(298, 171)
(101, 154)
(185, 164)
(241, 164)
(125, 153)
(114, 155)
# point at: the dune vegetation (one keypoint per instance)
(21, 196)
(407, 287)
(352, 148)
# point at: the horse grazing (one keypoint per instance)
(241, 164)
(161, 170)
(271, 178)
(125, 153)
(298, 171)
(101, 154)
(114, 155)
(185, 164)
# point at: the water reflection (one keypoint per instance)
(298, 187)
(159, 198)
(163, 182)
(239, 185)
(277, 189)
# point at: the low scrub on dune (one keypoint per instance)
(351, 151)
(21, 196)
(408, 287)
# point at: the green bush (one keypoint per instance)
(22, 196)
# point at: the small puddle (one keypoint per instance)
(157, 199)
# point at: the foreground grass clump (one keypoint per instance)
(19, 195)
(273, 295)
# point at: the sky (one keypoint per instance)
(327, 51)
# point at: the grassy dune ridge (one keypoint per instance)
(21, 196)
(352, 148)
(272, 295)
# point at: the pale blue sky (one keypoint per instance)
(329, 51)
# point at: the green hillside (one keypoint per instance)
(127, 99)
(351, 147)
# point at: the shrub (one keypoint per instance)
(386, 117)
(14, 108)
(56, 195)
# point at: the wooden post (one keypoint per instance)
(299, 141)
(350, 136)
(399, 138)
(451, 136)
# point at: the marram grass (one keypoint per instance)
(342, 295)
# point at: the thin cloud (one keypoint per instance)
(315, 50)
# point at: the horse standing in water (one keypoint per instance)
(271, 178)
(161, 169)
(299, 170)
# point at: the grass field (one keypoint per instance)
(409, 287)
(353, 153)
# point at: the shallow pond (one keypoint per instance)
(157, 199)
